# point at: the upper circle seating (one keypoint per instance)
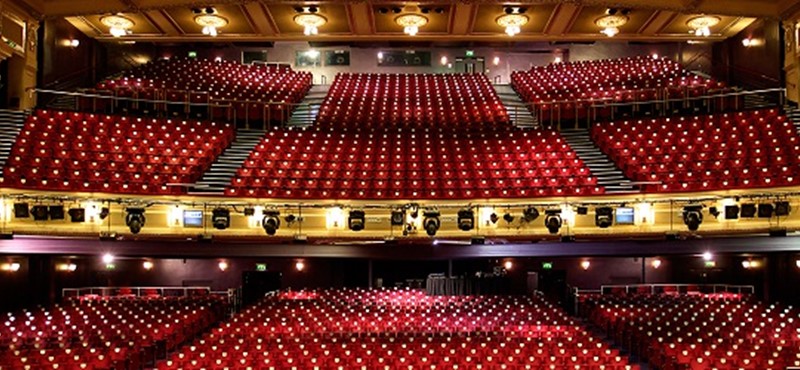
(366, 100)
(722, 151)
(398, 329)
(73, 151)
(697, 332)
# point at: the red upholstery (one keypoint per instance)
(398, 329)
(114, 333)
(426, 164)
(695, 332)
(723, 151)
(212, 81)
(615, 80)
(87, 152)
(412, 100)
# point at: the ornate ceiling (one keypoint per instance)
(469, 20)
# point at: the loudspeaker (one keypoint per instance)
(257, 283)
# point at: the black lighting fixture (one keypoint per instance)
(765, 210)
(714, 212)
(77, 215)
(693, 216)
(431, 222)
(508, 217)
(56, 212)
(356, 220)
(731, 212)
(40, 213)
(494, 218)
(552, 220)
(398, 217)
(581, 210)
(271, 221)
(782, 208)
(135, 219)
(21, 210)
(604, 217)
(530, 214)
(249, 211)
(748, 210)
(290, 219)
(104, 212)
(221, 218)
(466, 220)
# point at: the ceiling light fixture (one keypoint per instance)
(611, 23)
(211, 23)
(118, 25)
(512, 22)
(701, 25)
(411, 21)
(310, 22)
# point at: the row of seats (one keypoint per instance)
(672, 331)
(397, 329)
(110, 333)
(321, 163)
(567, 90)
(411, 100)
(86, 152)
(722, 151)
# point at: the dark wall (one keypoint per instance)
(59, 63)
(758, 66)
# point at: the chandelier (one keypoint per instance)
(118, 25)
(310, 22)
(512, 22)
(210, 23)
(701, 25)
(611, 23)
(411, 22)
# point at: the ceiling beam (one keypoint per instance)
(360, 18)
(462, 18)
(163, 23)
(259, 18)
(562, 19)
(657, 22)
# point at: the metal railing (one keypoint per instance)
(668, 289)
(159, 291)
(553, 114)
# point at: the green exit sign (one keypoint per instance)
(261, 267)
(547, 265)
(711, 264)
(470, 53)
(192, 54)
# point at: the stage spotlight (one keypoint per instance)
(56, 212)
(104, 212)
(731, 212)
(271, 221)
(765, 210)
(693, 216)
(508, 217)
(582, 210)
(494, 218)
(713, 211)
(221, 218)
(604, 217)
(748, 210)
(552, 220)
(249, 211)
(77, 214)
(431, 222)
(782, 208)
(398, 217)
(21, 210)
(466, 219)
(530, 214)
(414, 212)
(135, 219)
(356, 220)
(290, 219)
(40, 213)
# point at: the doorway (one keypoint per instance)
(470, 65)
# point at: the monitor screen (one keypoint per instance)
(624, 216)
(192, 218)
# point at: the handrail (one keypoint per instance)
(633, 288)
(164, 291)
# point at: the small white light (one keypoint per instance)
(300, 266)
(380, 55)
(747, 42)
(746, 264)
(222, 265)
(147, 265)
(556, 60)
(108, 258)
(707, 256)
(656, 263)
(585, 265)
(610, 31)
(496, 61)
(443, 60)
(313, 54)
(655, 56)
(508, 265)
(218, 59)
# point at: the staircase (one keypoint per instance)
(756, 101)
(63, 102)
(518, 111)
(219, 175)
(793, 113)
(11, 123)
(607, 173)
(306, 113)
